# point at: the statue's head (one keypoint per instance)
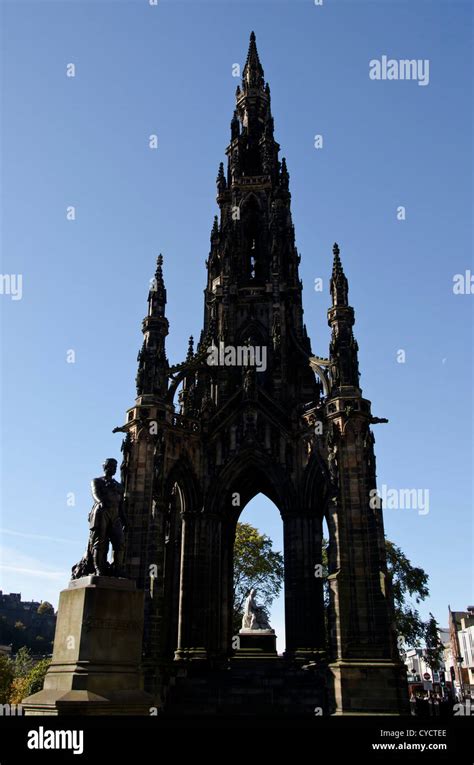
(110, 466)
(253, 593)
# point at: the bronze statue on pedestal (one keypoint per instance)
(107, 523)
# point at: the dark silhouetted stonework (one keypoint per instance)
(200, 439)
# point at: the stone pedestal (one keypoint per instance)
(250, 686)
(95, 668)
(369, 688)
(257, 643)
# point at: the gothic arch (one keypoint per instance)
(315, 486)
(249, 199)
(182, 474)
(254, 329)
(253, 240)
(250, 473)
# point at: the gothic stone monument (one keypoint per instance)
(295, 427)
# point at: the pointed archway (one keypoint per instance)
(263, 516)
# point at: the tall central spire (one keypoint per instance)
(257, 152)
(253, 293)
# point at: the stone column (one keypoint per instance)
(304, 606)
(200, 604)
(368, 675)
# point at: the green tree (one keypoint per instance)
(22, 662)
(25, 685)
(434, 646)
(7, 675)
(45, 607)
(408, 581)
(36, 676)
(256, 565)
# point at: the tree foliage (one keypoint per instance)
(45, 607)
(23, 662)
(256, 565)
(408, 582)
(21, 677)
(434, 645)
(6, 678)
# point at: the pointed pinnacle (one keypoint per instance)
(157, 294)
(159, 271)
(253, 71)
(190, 353)
(284, 176)
(337, 265)
(235, 125)
(338, 284)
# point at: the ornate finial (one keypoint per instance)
(190, 353)
(338, 284)
(235, 126)
(253, 72)
(215, 228)
(157, 293)
(285, 178)
(158, 280)
(221, 182)
(337, 265)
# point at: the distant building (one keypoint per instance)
(14, 609)
(38, 628)
(461, 648)
(417, 666)
(458, 656)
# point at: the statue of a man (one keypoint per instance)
(107, 523)
(255, 617)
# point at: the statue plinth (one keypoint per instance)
(255, 642)
(95, 668)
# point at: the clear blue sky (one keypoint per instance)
(83, 141)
